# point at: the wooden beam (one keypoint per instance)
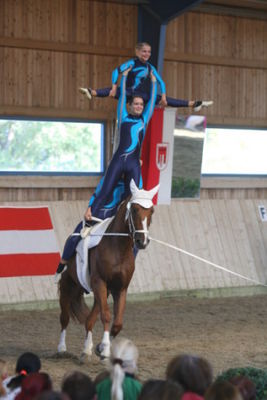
(235, 10)
(232, 121)
(64, 47)
(34, 182)
(233, 182)
(47, 112)
(214, 60)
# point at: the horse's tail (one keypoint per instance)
(71, 297)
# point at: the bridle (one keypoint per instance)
(129, 218)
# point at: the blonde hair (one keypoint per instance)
(140, 45)
(123, 358)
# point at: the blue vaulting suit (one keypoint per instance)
(124, 165)
(138, 82)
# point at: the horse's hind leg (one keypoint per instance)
(90, 322)
(119, 299)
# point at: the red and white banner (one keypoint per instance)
(157, 154)
(28, 244)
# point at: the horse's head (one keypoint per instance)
(139, 213)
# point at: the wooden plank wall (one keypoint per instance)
(226, 232)
(223, 58)
(48, 49)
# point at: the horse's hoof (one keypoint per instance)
(61, 348)
(102, 351)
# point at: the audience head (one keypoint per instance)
(33, 384)
(246, 387)
(223, 390)
(123, 359)
(26, 363)
(157, 389)
(78, 386)
(192, 372)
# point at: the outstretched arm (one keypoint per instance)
(163, 101)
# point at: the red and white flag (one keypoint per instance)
(157, 154)
(28, 244)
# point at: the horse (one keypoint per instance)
(112, 264)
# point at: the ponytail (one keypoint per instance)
(117, 376)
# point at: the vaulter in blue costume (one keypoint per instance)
(124, 165)
(138, 81)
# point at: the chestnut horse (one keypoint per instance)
(112, 265)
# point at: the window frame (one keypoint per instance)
(60, 173)
(232, 175)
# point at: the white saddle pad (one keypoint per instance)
(92, 240)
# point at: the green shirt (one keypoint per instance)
(131, 389)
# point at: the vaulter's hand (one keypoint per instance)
(112, 92)
(88, 214)
(163, 101)
(152, 77)
(125, 73)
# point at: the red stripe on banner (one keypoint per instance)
(12, 265)
(154, 134)
(37, 218)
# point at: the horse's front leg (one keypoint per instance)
(119, 299)
(90, 322)
(100, 292)
(64, 321)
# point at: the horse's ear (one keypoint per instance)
(153, 191)
(134, 189)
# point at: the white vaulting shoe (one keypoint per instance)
(198, 105)
(86, 92)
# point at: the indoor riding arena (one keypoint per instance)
(200, 285)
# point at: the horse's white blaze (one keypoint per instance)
(62, 342)
(88, 344)
(144, 223)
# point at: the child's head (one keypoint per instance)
(143, 51)
(192, 372)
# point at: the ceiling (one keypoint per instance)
(170, 8)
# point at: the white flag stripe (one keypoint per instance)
(165, 176)
(28, 242)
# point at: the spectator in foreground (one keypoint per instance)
(121, 383)
(193, 373)
(157, 389)
(78, 386)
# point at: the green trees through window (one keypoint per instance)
(51, 146)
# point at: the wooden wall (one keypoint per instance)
(48, 49)
(225, 232)
(223, 58)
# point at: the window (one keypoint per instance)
(51, 147)
(229, 151)
(187, 155)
